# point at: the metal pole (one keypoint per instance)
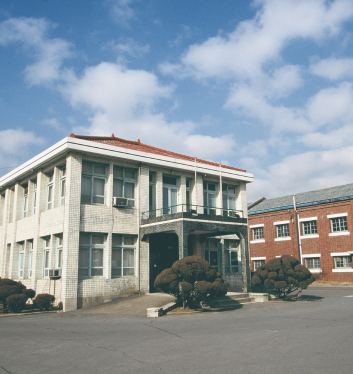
(298, 231)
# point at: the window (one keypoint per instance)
(229, 198)
(2, 204)
(123, 256)
(30, 258)
(59, 251)
(257, 233)
(124, 184)
(21, 260)
(212, 253)
(188, 195)
(46, 257)
(258, 263)
(50, 183)
(343, 262)
(209, 197)
(93, 183)
(170, 194)
(231, 256)
(25, 201)
(90, 262)
(34, 197)
(152, 194)
(62, 186)
(312, 263)
(282, 230)
(339, 224)
(309, 228)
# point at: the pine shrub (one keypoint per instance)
(16, 303)
(44, 301)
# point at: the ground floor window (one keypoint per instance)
(231, 256)
(258, 263)
(212, 253)
(30, 258)
(312, 263)
(21, 261)
(90, 262)
(123, 256)
(46, 257)
(343, 262)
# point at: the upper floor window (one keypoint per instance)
(25, 201)
(229, 198)
(309, 228)
(124, 184)
(62, 185)
(339, 224)
(231, 256)
(170, 194)
(257, 233)
(94, 178)
(209, 197)
(152, 194)
(34, 199)
(123, 256)
(282, 231)
(2, 203)
(188, 195)
(11, 193)
(90, 260)
(50, 186)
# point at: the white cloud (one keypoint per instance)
(48, 54)
(121, 11)
(15, 146)
(243, 53)
(333, 68)
(304, 172)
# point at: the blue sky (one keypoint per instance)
(263, 85)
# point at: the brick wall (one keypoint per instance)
(322, 243)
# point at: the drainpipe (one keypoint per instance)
(138, 231)
(298, 231)
(195, 183)
(220, 186)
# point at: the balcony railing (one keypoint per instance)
(196, 209)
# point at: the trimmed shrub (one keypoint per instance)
(16, 303)
(8, 288)
(283, 276)
(191, 280)
(44, 301)
(29, 293)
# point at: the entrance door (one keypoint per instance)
(212, 254)
(164, 251)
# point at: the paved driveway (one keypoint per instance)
(302, 337)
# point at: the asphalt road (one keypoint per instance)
(302, 337)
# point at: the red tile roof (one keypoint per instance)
(138, 146)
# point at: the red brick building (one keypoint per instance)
(322, 224)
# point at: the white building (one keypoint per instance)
(92, 218)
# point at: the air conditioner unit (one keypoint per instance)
(119, 201)
(54, 273)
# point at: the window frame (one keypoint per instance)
(91, 247)
(34, 200)
(207, 193)
(226, 195)
(257, 237)
(46, 256)
(25, 201)
(316, 262)
(209, 249)
(62, 188)
(93, 176)
(59, 251)
(131, 201)
(257, 263)
(21, 260)
(50, 190)
(188, 194)
(30, 257)
(309, 228)
(346, 261)
(124, 247)
(338, 229)
(279, 233)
